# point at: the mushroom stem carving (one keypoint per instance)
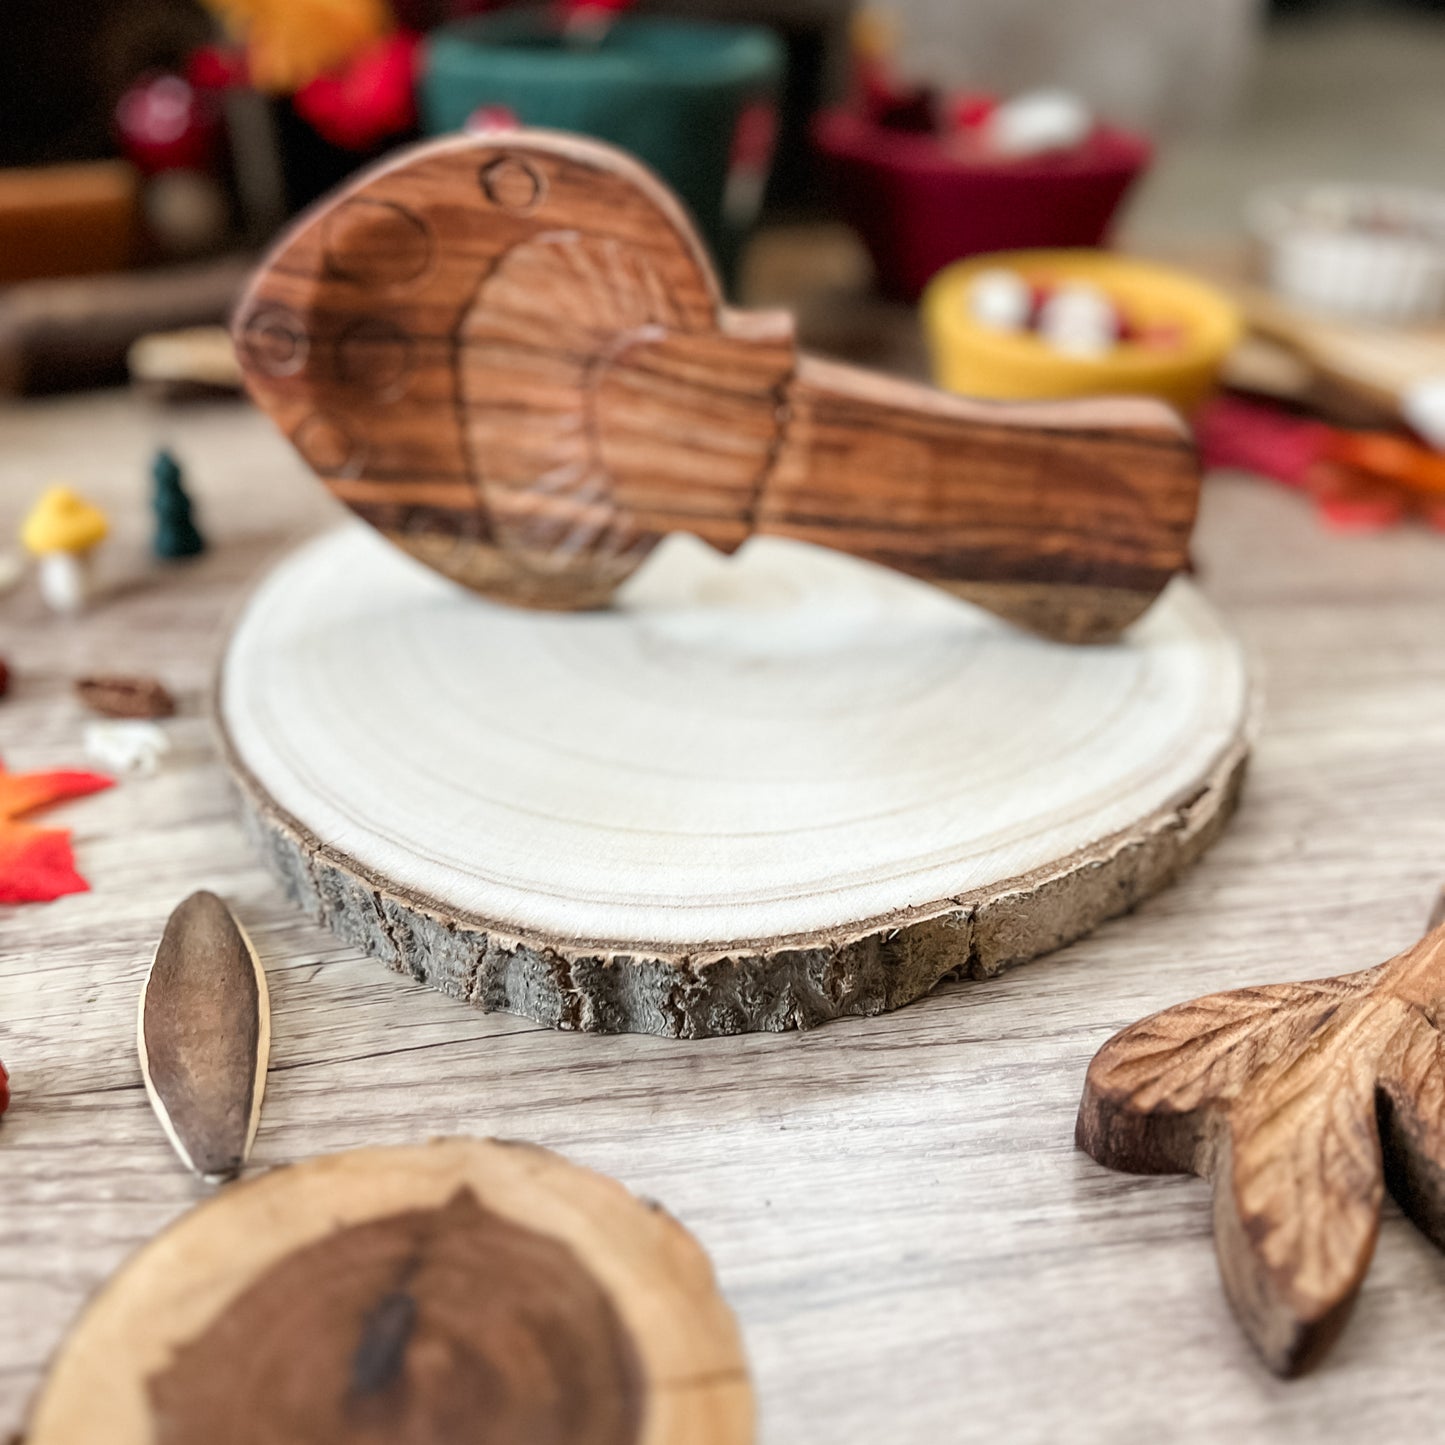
(1302, 1102)
(508, 353)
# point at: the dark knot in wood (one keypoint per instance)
(427, 1327)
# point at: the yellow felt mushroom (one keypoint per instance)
(62, 531)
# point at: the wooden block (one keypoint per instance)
(1302, 1102)
(76, 332)
(454, 1292)
(509, 354)
(67, 220)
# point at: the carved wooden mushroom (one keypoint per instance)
(1302, 1102)
(509, 354)
(463, 1291)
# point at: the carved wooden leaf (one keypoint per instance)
(1277, 1094)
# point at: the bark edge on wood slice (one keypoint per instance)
(203, 1032)
(349, 656)
(509, 354)
(385, 1293)
(1301, 1102)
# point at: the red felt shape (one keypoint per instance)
(36, 864)
(367, 101)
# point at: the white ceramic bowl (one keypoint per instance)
(1372, 253)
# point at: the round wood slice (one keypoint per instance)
(762, 792)
(470, 1291)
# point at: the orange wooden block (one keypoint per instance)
(67, 220)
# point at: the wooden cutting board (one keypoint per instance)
(1365, 369)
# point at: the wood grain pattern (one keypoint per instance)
(763, 793)
(508, 353)
(1000, 1285)
(204, 1036)
(1299, 1101)
(462, 1292)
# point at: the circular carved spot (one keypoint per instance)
(274, 341)
(376, 355)
(513, 184)
(376, 243)
(442, 1325)
(328, 447)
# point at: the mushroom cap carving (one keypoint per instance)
(63, 521)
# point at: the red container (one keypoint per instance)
(919, 205)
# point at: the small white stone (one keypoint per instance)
(126, 747)
(1001, 300)
(1039, 121)
(1080, 320)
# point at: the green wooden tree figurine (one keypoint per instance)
(176, 534)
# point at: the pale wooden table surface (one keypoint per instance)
(894, 1206)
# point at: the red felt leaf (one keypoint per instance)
(36, 864)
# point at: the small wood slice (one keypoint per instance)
(763, 792)
(466, 1291)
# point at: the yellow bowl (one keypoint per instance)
(1019, 365)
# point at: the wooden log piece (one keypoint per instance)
(462, 1292)
(508, 353)
(76, 331)
(204, 1037)
(1302, 1102)
(760, 793)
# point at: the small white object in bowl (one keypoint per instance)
(1001, 300)
(1373, 253)
(1079, 320)
(1038, 121)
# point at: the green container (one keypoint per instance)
(694, 101)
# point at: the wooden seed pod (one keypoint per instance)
(475, 1292)
(204, 1037)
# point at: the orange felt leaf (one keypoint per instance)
(36, 864)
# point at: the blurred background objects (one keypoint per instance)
(837, 158)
